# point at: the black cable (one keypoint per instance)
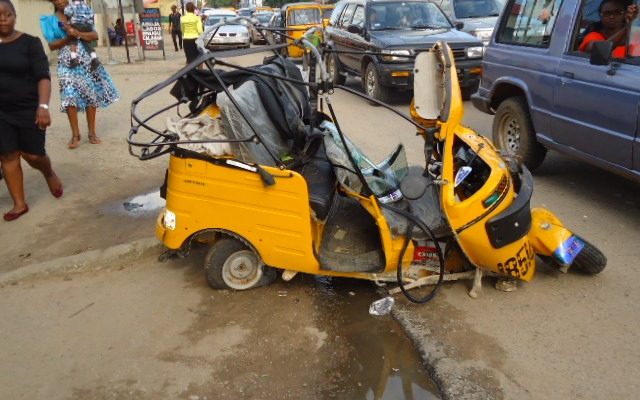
(415, 221)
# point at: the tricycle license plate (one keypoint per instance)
(569, 250)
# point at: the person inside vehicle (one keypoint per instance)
(616, 17)
(374, 20)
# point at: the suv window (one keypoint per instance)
(589, 29)
(346, 15)
(335, 15)
(634, 42)
(530, 22)
(358, 17)
(476, 8)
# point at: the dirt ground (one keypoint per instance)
(141, 330)
(149, 330)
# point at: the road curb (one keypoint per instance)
(78, 262)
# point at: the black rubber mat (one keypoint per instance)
(351, 241)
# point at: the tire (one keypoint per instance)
(333, 69)
(513, 133)
(590, 260)
(230, 264)
(371, 84)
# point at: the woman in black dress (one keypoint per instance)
(25, 87)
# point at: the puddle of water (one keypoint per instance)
(383, 363)
(139, 205)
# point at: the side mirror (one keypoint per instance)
(601, 52)
(357, 29)
(459, 25)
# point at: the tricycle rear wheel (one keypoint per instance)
(230, 264)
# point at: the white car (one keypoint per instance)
(235, 34)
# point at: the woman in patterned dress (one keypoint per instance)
(81, 89)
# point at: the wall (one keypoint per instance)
(28, 17)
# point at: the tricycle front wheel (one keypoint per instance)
(590, 260)
(230, 264)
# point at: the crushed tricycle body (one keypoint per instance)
(275, 186)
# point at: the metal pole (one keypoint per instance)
(105, 22)
(136, 24)
(126, 44)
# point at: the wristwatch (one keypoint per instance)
(45, 106)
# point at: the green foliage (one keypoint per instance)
(221, 3)
(280, 3)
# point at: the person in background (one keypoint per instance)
(81, 88)
(25, 87)
(175, 28)
(191, 26)
(120, 32)
(615, 18)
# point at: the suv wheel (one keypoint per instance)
(371, 84)
(333, 68)
(513, 133)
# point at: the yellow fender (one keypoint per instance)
(547, 232)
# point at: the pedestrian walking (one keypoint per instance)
(81, 88)
(25, 88)
(191, 28)
(175, 27)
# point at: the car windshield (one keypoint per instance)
(477, 8)
(406, 15)
(213, 19)
(304, 16)
(263, 18)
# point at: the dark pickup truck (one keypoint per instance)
(394, 30)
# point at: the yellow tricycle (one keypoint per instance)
(260, 171)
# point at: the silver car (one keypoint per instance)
(234, 34)
(477, 17)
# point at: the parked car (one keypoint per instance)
(477, 17)
(259, 18)
(398, 30)
(276, 22)
(547, 94)
(225, 36)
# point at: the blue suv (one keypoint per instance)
(549, 91)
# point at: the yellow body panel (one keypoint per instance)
(468, 217)
(547, 232)
(276, 220)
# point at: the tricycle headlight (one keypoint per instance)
(475, 52)
(396, 55)
(169, 220)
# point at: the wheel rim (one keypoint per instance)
(370, 82)
(510, 133)
(242, 270)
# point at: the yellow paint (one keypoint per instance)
(296, 51)
(400, 73)
(547, 232)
